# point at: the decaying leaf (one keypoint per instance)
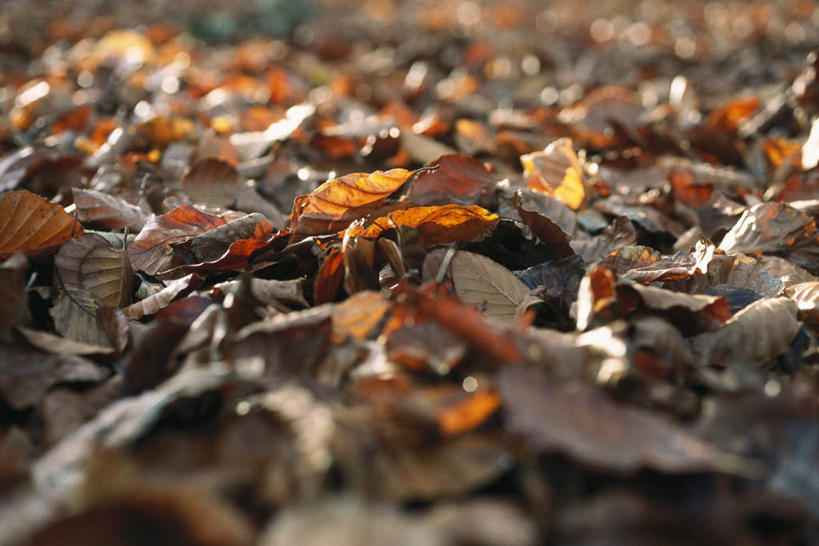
(212, 181)
(775, 228)
(30, 224)
(482, 282)
(552, 222)
(806, 296)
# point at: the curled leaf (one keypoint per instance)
(336, 203)
(435, 225)
(556, 171)
(151, 251)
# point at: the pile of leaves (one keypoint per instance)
(428, 273)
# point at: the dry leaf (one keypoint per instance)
(488, 285)
(107, 211)
(90, 264)
(580, 421)
(30, 224)
(336, 203)
(152, 252)
(755, 335)
(435, 225)
(556, 171)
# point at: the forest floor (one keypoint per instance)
(424, 272)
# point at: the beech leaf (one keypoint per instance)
(758, 333)
(336, 203)
(488, 285)
(30, 224)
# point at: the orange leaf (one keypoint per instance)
(336, 203)
(435, 225)
(556, 171)
(30, 224)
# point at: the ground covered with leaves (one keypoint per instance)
(409, 273)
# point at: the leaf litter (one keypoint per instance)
(409, 272)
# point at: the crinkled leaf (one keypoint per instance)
(152, 252)
(336, 203)
(776, 228)
(435, 225)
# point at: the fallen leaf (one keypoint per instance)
(482, 282)
(549, 219)
(103, 210)
(755, 335)
(30, 224)
(152, 252)
(435, 225)
(212, 181)
(556, 171)
(336, 203)
(581, 422)
(90, 264)
(458, 179)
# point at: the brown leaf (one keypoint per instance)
(488, 285)
(329, 277)
(336, 203)
(152, 252)
(758, 333)
(435, 225)
(89, 263)
(776, 228)
(26, 374)
(223, 248)
(618, 234)
(556, 171)
(76, 316)
(553, 222)
(359, 316)
(582, 423)
(107, 211)
(458, 179)
(212, 181)
(30, 224)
